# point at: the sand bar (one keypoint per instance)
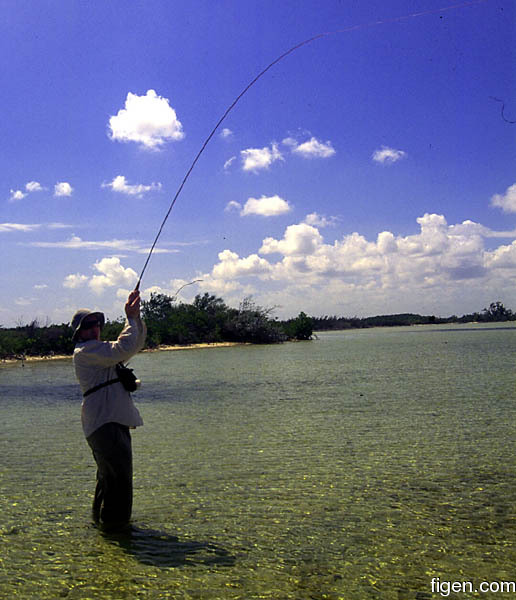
(162, 348)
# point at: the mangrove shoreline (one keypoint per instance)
(208, 322)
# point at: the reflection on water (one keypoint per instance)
(356, 466)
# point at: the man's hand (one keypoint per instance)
(132, 306)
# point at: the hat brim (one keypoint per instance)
(100, 317)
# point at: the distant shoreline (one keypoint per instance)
(26, 359)
(162, 348)
(169, 348)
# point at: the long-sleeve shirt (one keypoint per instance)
(94, 363)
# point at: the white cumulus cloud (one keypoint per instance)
(388, 155)
(74, 281)
(256, 159)
(30, 187)
(320, 220)
(63, 188)
(503, 257)
(437, 268)
(34, 186)
(119, 184)
(290, 141)
(266, 206)
(313, 148)
(16, 195)
(507, 201)
(112, 273)
(301, 239)
(232, 266)
(148, 120)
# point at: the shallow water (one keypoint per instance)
(359, 465)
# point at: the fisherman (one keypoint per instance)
(108, 411)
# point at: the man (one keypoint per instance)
(107, 408)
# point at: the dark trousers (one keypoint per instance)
(111, 447)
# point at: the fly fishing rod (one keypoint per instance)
(260, 75)
(207, 140)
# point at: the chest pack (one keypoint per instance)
(125, 376)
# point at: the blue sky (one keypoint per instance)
(369, 172)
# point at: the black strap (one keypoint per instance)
(100, 386)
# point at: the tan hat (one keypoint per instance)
(79, 317)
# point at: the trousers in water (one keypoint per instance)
(111, 447)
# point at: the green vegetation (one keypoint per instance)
(300, 328)
(35, 340)
(209, 319)
(495, 313)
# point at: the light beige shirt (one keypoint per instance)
(94, 363)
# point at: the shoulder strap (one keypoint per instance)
(100, 386)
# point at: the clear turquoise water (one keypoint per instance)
(359, 465)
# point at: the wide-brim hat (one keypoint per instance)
(79, 317)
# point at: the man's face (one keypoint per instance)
(90, 329)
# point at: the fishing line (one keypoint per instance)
(503, 110)
(263, 72)
(185, 285)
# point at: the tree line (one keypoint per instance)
(495, 313)
(208, 319)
